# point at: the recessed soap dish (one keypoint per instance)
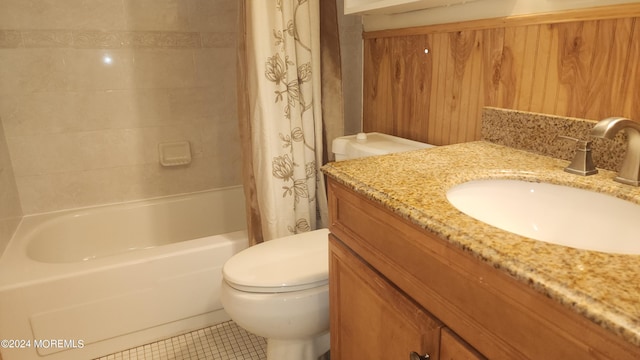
(174, 153)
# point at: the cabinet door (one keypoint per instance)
(370, 318)
(454, 348)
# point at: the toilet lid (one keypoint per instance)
(286, 264)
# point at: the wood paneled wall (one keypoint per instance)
(430, 83)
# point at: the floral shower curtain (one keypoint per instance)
(280, 111)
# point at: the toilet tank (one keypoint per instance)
(369, 144)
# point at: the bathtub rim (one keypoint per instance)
(18, 269)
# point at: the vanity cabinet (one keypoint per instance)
(396, 287)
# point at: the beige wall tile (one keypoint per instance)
(89, 88)
(75, 152)
(47, 38)
(61, 14)
(41, 154)
(216, 66)
(36, 70)
(218, 39)
(194, 103)
(92, 39)
(146, 107)
(176, 40)
(7, 229)
(10, 39)
(156, 15)
(96, 39)
(220, 138)
(163, 69)
(223, 169)
(26, 70)
(70, 190)
(112, 39)
(63, 112)
(98, 69)
(10, 208)
(213, 15)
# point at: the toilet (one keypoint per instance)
(279, 289)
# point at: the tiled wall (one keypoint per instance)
(89, 88)
(10, 210)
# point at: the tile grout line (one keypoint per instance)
(225, 341)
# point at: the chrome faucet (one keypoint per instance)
(608, 128)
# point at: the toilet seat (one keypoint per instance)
(287, 264)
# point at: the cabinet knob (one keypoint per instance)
(414, 356)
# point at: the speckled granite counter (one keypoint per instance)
(603, 287)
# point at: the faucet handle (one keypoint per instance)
(581, 144)
(582, 164)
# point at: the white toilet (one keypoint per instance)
(279, 289)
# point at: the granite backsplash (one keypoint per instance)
(537, 133)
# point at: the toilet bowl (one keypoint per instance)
(279, 289)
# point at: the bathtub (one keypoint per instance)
(88, 282)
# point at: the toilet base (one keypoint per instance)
(299, 349)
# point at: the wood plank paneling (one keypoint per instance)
(510, 67)
(552, 81)
(438, 86)
(576, 57)
(626, 68)
(377, 89)
(463, 45)
(492, 61)
(456, 88)
(442, 93)
(632, 94)
(400, 81)
(586, 68)
(412, 71)
(540, 93)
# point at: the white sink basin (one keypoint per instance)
(552, 213)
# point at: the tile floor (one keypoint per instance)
(226, 341)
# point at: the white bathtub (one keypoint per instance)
(84, 283)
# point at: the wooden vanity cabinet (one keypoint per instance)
(397, 288)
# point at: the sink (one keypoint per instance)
(552, 213)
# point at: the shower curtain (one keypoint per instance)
(290, 107)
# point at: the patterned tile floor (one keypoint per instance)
(226, 341)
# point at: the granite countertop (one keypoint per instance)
(603, 287)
